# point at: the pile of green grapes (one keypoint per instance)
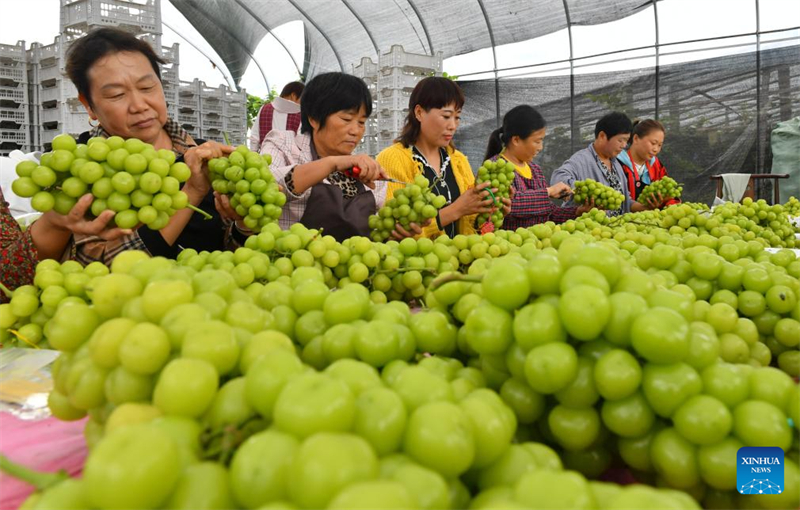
(749, 221)
(414, 203)
(500, 174)
(202, 388)
(604, 196)
(792, 206)
(244, 175)
(129, 177)
(667, 186)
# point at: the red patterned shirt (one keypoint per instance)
(532, 204)
(18, 255)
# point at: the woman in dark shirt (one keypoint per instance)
(119, 84)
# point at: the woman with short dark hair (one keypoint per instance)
(119, 84)
(425, 147)
(317, 167)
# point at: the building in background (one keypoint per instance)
(38, 101)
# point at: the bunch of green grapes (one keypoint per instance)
(666, 186)
(244, 175)
(129, 177)
(414, 203)
(23, 318)
(792, 206)
(604, 196)
(500, 174)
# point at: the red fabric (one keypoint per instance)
(265, 122)
(532, 204)
(18, 256)
(657, 171)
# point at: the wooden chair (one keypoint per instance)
(754, 179)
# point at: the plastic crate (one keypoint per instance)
(185, 118)
(49, 94)
(384, 140)
(170, 53)
(143, 15)
(212, 107)
(14, 72)
(50, 115)
(17, 136)
(366, 69)
(16, 94)
(13, 52)
(211, 122)
(397, 57)
(395, 78)
(393, 99)
(391, 122)
(17, 115)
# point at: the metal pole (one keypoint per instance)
(261, 22)
(422, 22)
(323, 34)
(658, 56)
(571, 80)
(219, 67)
(759, 156)
(494, 60)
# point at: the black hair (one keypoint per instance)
(521, 121)
(643, 128)
(329, 93)
(98, 43)
(613, 124)
(294, 87)
(431, 92)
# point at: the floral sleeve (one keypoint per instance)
(18, 256)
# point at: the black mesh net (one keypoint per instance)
(717, 112)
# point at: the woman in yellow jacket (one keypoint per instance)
(425, 147)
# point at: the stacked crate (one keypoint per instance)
(15, 119)
(234, 115)
(39, 102)
(398, 75)
(367, 70)
(207, 112)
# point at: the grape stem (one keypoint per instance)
(455, 277)
(6, 290)
(199, 211)
(22, 337)
(38, 479)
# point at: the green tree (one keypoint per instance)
(254, 104)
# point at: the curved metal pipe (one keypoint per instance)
(324, 35)
(494, 59)
(240, 43)
(571, 79)
(219, 67)
(366, 29)
(269, 31)
(424, 26)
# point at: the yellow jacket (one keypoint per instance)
(399, 164)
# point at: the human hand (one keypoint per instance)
(77, 223)
(399, 233)
(559, 190)
(365, 169)
(197, 159)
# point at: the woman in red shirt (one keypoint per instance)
(640, 162)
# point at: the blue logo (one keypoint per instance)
(759, 470)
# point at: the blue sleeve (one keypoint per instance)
(566, 173)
